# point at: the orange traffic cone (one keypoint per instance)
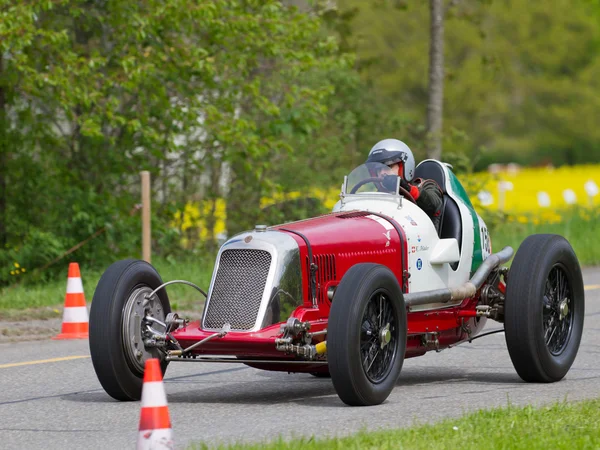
(75, 316)
(155, 425)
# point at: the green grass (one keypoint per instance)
(48, 299)
(559, 426)
(584, 236)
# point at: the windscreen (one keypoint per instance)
(371, 177)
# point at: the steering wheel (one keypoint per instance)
(379, 180)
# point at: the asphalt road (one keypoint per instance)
(59, 404)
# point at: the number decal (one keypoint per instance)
(486, 246)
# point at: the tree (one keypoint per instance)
(518, 77)
(93, 92)
(435, 103)
(280, 81)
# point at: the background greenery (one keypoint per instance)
(241, 100)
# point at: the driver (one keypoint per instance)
(400, 161)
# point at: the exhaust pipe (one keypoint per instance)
(464, 291)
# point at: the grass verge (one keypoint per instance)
(559, 426)
(578, 227)
(42, 301)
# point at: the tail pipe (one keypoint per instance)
(464, 291)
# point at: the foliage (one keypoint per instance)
(228, 102)
(36, 249)
(196, 266)
(196, 92)
(293, 209)
(520, 79)
(578, 225)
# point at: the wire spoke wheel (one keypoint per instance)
(544, 308)
(366, 337)
(136, 307)
(379, 333)
(557, 312)
(118, 326)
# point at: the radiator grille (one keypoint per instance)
(238, 289)
(326, 272)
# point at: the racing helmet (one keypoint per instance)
(392, 151)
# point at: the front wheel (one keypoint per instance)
(117, 327)
(366, 335)
(544, 308)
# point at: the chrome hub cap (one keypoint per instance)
(564, 308)
(385, 336)
(136, 308)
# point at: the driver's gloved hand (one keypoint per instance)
(405, 184)
(390, 182)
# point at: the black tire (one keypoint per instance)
(541, 341)
(350, 324)
(120, 373)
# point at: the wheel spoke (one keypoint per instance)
(367, 353)
(373, 360)
(378, 315)
(557, 324)
(558, 289)
(366, 345)
(549, 340)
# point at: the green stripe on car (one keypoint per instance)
(460, 192)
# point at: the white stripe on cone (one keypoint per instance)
(75, 314)
(74, 286)
(153, 394)
(155, 439)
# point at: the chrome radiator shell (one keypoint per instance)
(257, 281)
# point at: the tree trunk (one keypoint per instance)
(215, 167)
(184, 197)
(3, 161)
(435, 103)
(243, 200)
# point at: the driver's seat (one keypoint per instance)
(451, 223)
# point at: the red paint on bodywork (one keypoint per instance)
(339, 241)
(352, 238)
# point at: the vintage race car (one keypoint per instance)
(349, 295)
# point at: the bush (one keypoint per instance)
(38, 248)
(290, 210)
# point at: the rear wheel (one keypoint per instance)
(544, 308)
(117, 326)
(366, 335)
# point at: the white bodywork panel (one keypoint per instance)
(422, 239)
(445, 251)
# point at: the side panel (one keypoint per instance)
(473, 224)
(420, 234)
(340, 241)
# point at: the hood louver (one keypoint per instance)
(326, 272)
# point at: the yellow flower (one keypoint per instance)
(17, 265)
(528, 183)
(522, 219)
(22, 269)
(12, 272)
